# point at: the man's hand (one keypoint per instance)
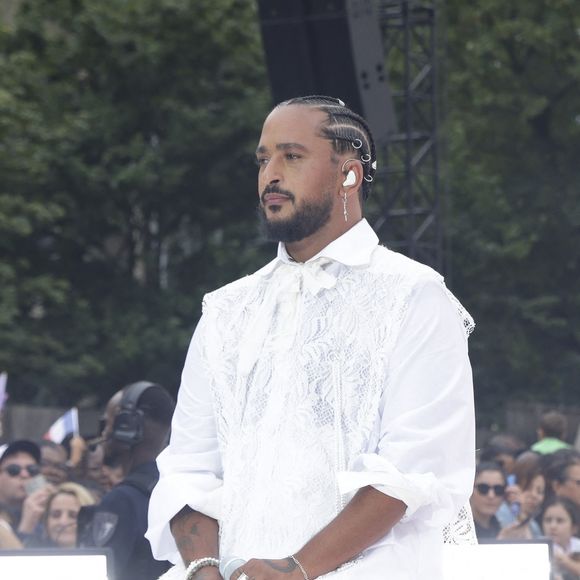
(285, 569)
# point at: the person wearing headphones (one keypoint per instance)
(136, 427)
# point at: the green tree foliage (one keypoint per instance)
(126, 184)
(513, 129)
(127, 190)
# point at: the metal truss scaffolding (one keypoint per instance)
(408, 185)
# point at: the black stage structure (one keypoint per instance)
(411, 204)
(381, 57)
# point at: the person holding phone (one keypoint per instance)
(59, 520)
(19, 463)
(530, 483)
(23, 490)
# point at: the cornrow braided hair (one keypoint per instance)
(347, 131)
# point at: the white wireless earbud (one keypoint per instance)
(350, 179)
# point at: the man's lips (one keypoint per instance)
(274, 198)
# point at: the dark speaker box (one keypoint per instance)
(328, 47)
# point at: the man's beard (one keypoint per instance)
(307, 219)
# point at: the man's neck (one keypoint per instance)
(303, 250)
(139, 456)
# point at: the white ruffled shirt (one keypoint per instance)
(306, 382)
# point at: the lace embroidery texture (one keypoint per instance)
(306, 406)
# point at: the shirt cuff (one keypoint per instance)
(415, 490)
(202, 492)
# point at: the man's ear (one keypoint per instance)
(352, 176)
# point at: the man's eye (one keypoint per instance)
(261, 161)
(292, 156)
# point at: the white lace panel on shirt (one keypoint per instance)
(462, 530)
(304, 408)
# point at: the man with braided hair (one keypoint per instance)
(324, 424)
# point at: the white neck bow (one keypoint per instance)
(279, 314)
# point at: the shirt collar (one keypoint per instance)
(353, 248)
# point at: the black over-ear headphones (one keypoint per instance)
(128, 423)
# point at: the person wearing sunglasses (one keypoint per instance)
(18, 464)
(488, 494)
(22, 505)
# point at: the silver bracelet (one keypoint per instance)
(198, 564)
(301, 567)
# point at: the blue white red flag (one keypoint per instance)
(67, 423)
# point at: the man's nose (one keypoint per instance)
(272, 172)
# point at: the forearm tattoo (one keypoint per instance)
(184, 536)
(184, 544)
(287, 568)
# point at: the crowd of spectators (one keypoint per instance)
(519, 493)
(42, 488)
(91, 493)
(525, 493)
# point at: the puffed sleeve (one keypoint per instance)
(190, 466)
(425, 448)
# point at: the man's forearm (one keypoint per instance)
(196, 536)
(367, 518)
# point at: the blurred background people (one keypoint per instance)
(86, 463)
(53, 462)
(488, 495)
(23, 490)
(551, 433)
(562, 471)
(113, 473)
(560, 523)
(19, 463)
(59, 521)
(517, 514)
(503, 449)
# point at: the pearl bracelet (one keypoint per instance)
(295, 560)
(198, 564)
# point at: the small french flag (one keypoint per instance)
(67, 423)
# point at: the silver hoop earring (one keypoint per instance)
(344, 208)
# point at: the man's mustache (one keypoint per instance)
(275, 189)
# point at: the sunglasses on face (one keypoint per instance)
(484, 489)
(14, 470)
